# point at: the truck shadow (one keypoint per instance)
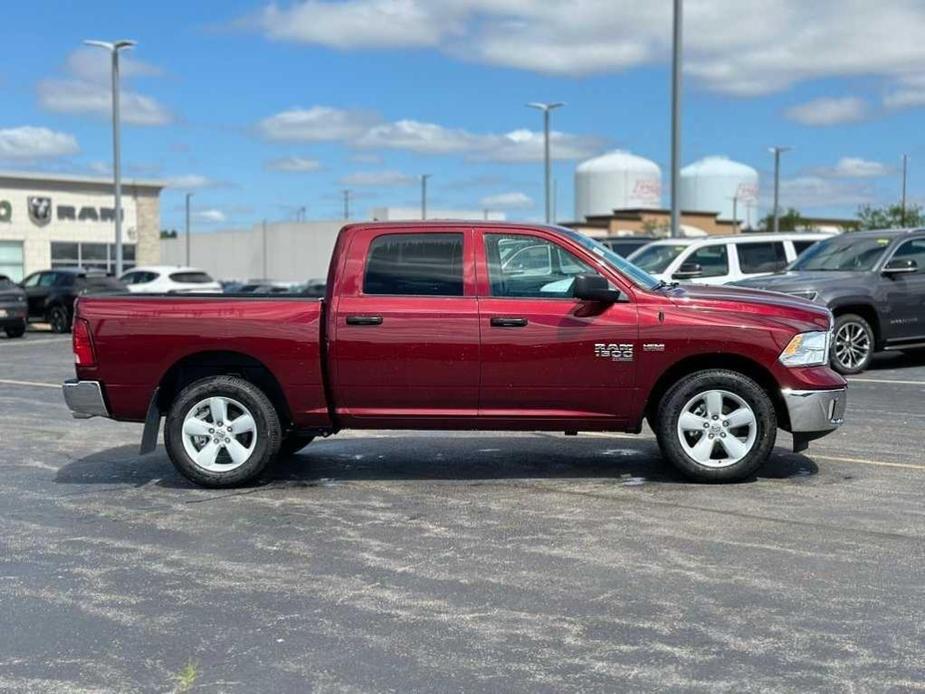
(432, 457)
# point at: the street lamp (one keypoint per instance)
(424, 178)
(777, 151)
(188, 196)
(676, 119)
(114, 49)
(546, 108)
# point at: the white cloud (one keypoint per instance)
(30, 142)
(365, 131)
(856, 167)
(829, 111)
(733, 46)
(378, 178)
(315, 124)
(293, 164)
(191, 182)
(908, 91)
(370, 23)
(210, 216)
(808, 192)
(507, 201)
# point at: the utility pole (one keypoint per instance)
(424, 178)
(485, 212)
(547, 166)
(677, 44)
(735, 214)
(114, 49)
(265, 274)
(777, 151)
(555, 199)
(188, 196)
(905, 169)
(346, 203)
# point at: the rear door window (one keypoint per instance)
(713, 260)
(800, 246)
(428, 264)
(754, 258)
(912, 250)
(191, 277)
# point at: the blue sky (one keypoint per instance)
(261, 109)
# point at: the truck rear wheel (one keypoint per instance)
(716, 426)
(222, 431)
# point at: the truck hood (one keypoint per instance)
(761, 306)
(800, 280)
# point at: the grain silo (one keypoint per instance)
(710, 184)
(616, 180)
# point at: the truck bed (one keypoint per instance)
(139, 339)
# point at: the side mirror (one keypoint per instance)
(688, 271)
(595, 288)
(900, 266)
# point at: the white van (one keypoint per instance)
(721, 259)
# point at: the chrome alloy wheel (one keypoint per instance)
(219, 434)
(717, 428)
(852, 345)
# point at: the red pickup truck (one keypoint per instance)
(461, 326)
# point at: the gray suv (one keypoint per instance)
(874, 284)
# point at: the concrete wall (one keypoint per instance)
(295, 251)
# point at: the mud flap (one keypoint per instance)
(152, 426)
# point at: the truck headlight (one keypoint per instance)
(807, 349)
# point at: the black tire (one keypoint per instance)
(682, 392)
(59, 319)
(16, 330)
(294, 443)
(852, 361)
(267, 430)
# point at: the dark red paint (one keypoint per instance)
(439, 362)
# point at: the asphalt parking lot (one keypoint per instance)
(471, 562)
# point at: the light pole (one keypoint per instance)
(114, 49)
(905, 169)
(676, 119)
(347, 204)
(735, 214)
(546, 108)
(424, 178)
(188, 196)
(777, 151)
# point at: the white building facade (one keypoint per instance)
(51, 220)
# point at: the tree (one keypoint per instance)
(791, 220)
(890, 217)
(169, 233)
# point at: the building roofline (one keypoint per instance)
(41, 176)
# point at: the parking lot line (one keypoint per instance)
(26, 343)
(863, 461)
(31, 384)
(886, 380)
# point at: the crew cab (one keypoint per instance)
(431, 325)
(874, 284)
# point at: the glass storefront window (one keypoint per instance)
(91, 256)
(11, 260)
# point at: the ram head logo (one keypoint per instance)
(39, 209)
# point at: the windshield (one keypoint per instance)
(656, 257)
(621, 265)
(843, 253)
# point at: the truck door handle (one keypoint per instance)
(501, 322)
(364, 320)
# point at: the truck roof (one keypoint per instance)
(449, 223)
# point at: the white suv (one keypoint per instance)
(170, 279)
(721, 259)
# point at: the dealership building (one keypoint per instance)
(53, 220)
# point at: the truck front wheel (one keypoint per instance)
(221, 431)
(716, 426)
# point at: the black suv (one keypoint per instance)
(12, 308)
(51, 293)
(874, 284)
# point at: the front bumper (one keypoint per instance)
(814, 413)
(12, 315)
(85, 399)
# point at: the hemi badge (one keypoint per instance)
(653, 347)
